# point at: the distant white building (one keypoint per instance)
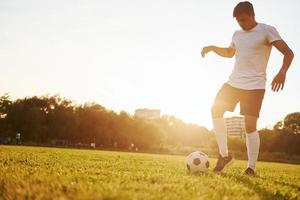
(235, 126)
(147, 113)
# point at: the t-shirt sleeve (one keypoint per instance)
(272, 34)
(232, 45)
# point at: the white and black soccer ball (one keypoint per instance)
(197, 162)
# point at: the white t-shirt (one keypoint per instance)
(252, 52)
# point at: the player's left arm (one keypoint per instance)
(279, 79)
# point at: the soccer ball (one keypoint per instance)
(197, 162)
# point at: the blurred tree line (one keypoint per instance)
(46, 119)
(56, 120)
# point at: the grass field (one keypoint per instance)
(53, 173)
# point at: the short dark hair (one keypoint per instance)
(243, 7)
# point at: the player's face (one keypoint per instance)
(245, 20)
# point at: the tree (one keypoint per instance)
(292, 122)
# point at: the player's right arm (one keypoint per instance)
(224, 52)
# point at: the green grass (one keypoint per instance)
(53, 173)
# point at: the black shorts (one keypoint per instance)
(250, 100)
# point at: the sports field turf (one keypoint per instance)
(54, 173)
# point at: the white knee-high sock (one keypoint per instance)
(252, 142)
(221, 135)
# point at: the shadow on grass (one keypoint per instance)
(258, 188)
(297, 187)
(205, 174)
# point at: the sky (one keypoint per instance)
(129, 54)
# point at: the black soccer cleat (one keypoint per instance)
(223, 163)
(249, 171)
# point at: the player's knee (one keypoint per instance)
(250, 128)
(250, 124)
(217, 111)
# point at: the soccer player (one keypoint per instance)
(251, 46)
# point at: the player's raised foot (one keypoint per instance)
(223, 163)
(249, 172)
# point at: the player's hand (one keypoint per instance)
(205, 50)
(278, 81)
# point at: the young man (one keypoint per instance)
(246, 85)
